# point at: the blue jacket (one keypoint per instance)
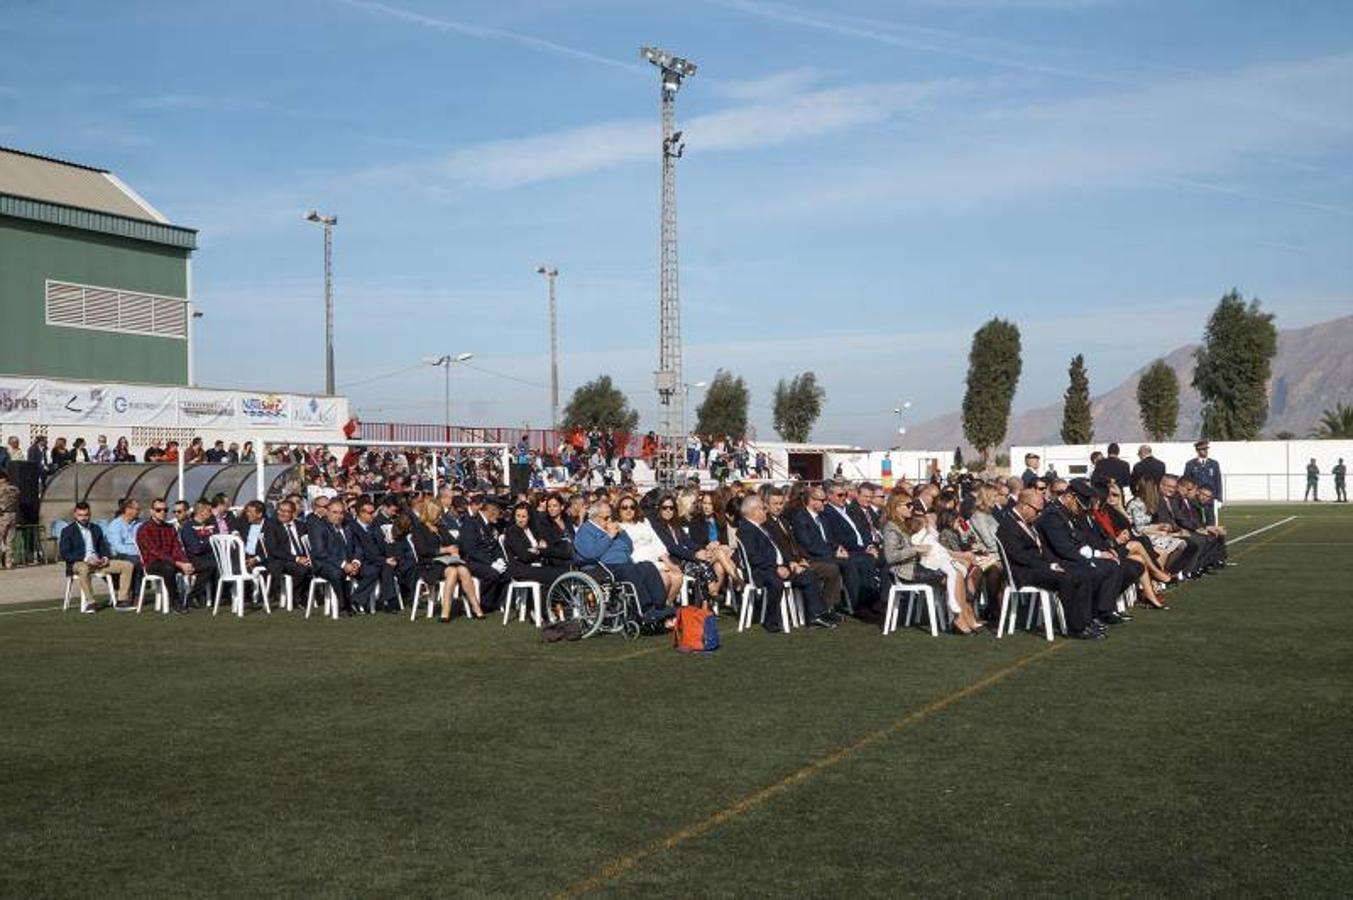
(759, 552)
(328, 544)
(367, 545)
(840, 530)
(478, 543)
(194, 544)
(808, 536)
(592, 545)
(72, 545)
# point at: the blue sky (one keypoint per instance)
(865, 183)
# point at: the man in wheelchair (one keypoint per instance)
(601, 541)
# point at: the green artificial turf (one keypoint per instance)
(1200, 750)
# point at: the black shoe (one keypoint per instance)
(1089, 634)
(774, 629)
(822, 622)
(1112, 618)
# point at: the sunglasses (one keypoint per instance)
(667, 506)
(159, 509)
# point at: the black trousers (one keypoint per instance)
(1075, 589)
(204, 577)
(170, 573)
(859, 576)
(300, 578)
(492, 584)
(370, 575)
(647, 584)
(336, 577)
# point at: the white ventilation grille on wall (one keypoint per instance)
(108, 309)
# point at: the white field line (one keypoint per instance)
(1250, 534)
(20, 612)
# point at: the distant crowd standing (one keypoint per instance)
(370, 526)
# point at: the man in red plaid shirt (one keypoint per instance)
(161, 552)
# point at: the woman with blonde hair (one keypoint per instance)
(439, 561)
(906, 552)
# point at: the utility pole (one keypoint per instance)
(673, 70)
(447, 361)
(551, 274)
(328, 222)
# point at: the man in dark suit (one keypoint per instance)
(331, 559)
(284, 551)
(811, 534)
(771, 569)
(781, 531)
(857, 539)
(1111, 468)
(1061, 528)
(1032, 563)
(195, 535)
(482, 552)
(376, 561)
(1030, 477)
(1148, 468)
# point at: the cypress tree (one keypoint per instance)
(993, 374)
(1232, 369)
(1158, 401)
(1078, 426)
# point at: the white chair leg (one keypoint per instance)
(216, 603)
(929, 594)
(1046, 603)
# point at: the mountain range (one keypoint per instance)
(1312, 371)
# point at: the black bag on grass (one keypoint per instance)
(568, 630)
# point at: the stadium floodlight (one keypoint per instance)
(673, 70)
(328, 222)
(551, 273)
(447, 361)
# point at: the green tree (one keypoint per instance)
(723, 412)
(993, 374)
(1078, 425)
(1335, 423)
(1158, 401)
(796, 407)
(1232, 369)
(600, 404)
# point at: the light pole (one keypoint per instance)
(328, 222)
(551, 274)
(672, 69)
(687, 386)
(901, 413)
(447, 361)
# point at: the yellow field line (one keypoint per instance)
(758, 798)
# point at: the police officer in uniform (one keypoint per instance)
(1206, 473)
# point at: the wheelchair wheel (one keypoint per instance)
(582, 599)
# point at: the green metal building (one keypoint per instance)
(94, 283)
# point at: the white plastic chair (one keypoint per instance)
(330, 597)
(228, 550)
(158, 589)
(749, 594)
(518, 594)
(73, 583)
(910, 590)
(1044, 598)
(421, 589)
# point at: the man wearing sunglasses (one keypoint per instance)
(1033, 564)
(162, 553)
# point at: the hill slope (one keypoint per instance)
(1311, 373)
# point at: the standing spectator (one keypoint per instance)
(233, 453)
(122, 452)
(1205, 472)
(1111, 469)
(247, 452)
(1312, 482)
(4, 456)
(217, 453)
(195, 452)
(1340, 492)
(12, 450)
(61, 456)
(171, 452)
(9, 519)
(103, 453)
(161, 553)
(1148, 468)
(1030, 474)
(85, 550)
(78, 452)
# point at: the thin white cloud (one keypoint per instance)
(577, 151)
(770, 87)
(1186, 129)
(916, 38)
(171, 102)
(482, 32)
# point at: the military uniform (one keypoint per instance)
(9, 520)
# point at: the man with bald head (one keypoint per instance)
(1033, 564)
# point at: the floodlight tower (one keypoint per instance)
(328, 222)
(673, 70)
(551, 273)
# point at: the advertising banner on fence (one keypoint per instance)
(19, 400)
(130, 404)
(265, 410)
(206, 409)
(73, 403)
(317, 412)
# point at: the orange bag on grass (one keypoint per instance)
(696, 631)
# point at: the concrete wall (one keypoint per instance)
(1251, 470)
(32, 252)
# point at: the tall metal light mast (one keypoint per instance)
(673, 70)
(551, 274)
(328, 222)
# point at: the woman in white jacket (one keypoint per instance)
(648, 547)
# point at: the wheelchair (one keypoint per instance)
(595, 598)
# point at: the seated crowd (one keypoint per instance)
(839, 545)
